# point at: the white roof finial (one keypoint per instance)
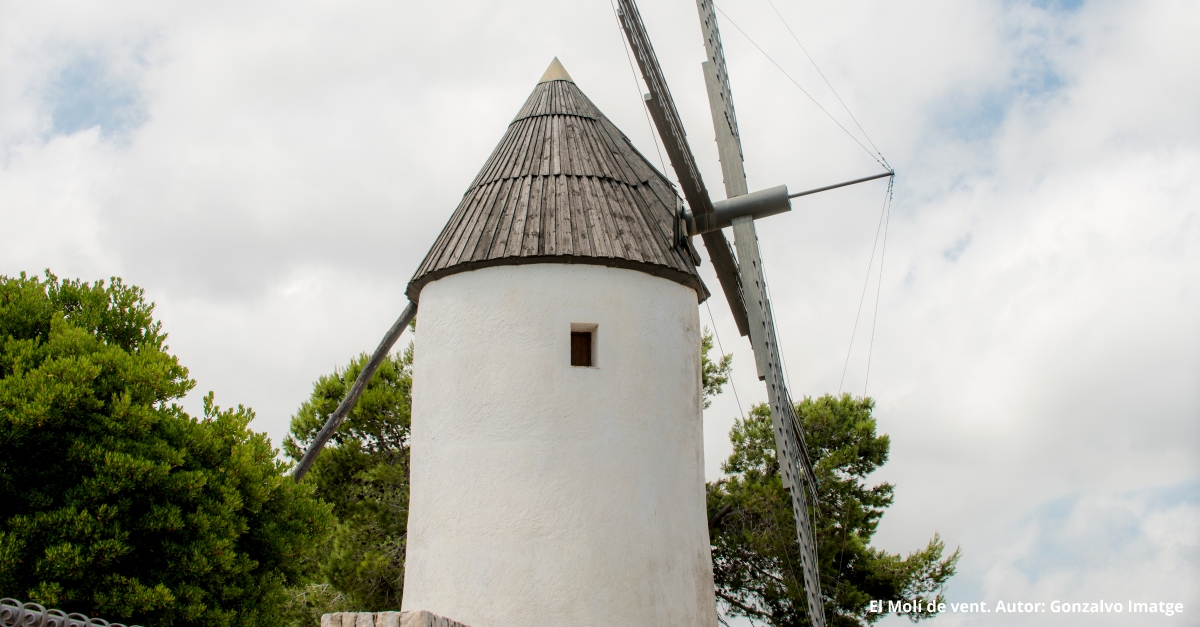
(556, 72)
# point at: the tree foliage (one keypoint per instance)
(756, 559)
(714, 374)
(363, 473)
(114, 502)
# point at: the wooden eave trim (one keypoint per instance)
(683, 278)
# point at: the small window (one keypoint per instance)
(583, 344)
(581, 348)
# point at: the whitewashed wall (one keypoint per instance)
(549, 494)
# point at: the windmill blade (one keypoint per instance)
(791, 451)
(725, 265)
(662, 110)
(720, 103)
(670, 129)
(795, 468)
(729, 144)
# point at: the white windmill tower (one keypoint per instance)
(557, 445)
(557, 454)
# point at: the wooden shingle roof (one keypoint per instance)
(563, 186)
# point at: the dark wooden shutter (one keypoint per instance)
(581, 348)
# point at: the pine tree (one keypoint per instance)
(756, 560)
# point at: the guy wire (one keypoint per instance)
(887, 204)
(827, 83)
(878, 288)
(866, 282)
(804, 91)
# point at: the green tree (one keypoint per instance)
(117, 503)
(363, 474)
(756, 560)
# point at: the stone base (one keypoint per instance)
(419, 618)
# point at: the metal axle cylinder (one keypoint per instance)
(760, 204)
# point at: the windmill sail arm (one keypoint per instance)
(729, 145)
(795, 468)
(682, 162)
(720, 103)
(726, 267)
(663, 112)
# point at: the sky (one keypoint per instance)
(271, 173)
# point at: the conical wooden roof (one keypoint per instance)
(563, 186)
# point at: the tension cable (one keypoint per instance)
(879, 286)
(866, 282)
(827, 83)
(804, 91)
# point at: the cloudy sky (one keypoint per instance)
(272, 173)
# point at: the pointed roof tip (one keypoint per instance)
(556, 72)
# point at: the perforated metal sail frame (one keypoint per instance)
(746, 289)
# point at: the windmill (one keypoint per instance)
(567, 220)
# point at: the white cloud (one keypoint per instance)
(1086, 548)
(290, 163)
